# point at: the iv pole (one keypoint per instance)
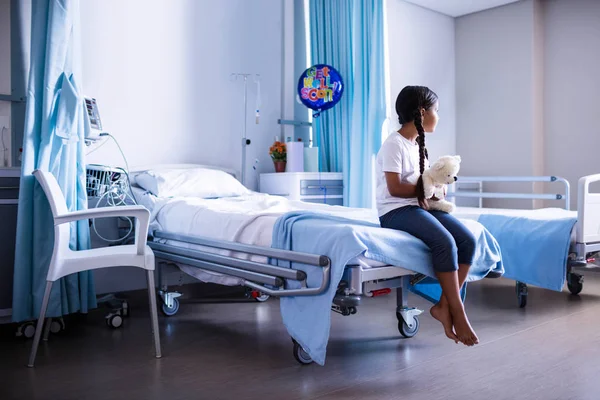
(245, 141)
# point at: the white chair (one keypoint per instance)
(66, 261)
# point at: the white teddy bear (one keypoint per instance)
(435, 180)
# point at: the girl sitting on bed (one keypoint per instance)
(401, 205)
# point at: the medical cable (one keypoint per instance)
(114, 193)
(126, 165)
(96, 149)
(257, 100)
(257, 174)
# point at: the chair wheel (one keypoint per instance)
(114, 321)
(169, 311)
(57, 326)
(27, 330)
(300, 355)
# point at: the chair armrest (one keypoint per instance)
(103, 212)
(141, 214)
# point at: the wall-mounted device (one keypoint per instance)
(94, 117)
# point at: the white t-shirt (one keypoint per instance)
(397, 154)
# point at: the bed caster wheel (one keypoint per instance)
(575, 283)
(353, 310)
(169, 311)
(408, 331)
(521, 294)
(260, 296)
(27, 330)
(114, 321)
(300, 355)
(408, 321)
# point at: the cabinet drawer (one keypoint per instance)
(8, 230)
(9, 188)
(312, 187)
(332, 201)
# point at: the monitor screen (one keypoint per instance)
(93, 114)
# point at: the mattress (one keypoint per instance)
(245, 219)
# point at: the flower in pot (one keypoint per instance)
(278, 155)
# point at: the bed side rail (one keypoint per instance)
(253, 274)
(294, 256)
(565, 195)
(588, 217)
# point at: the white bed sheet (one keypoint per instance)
(246, 219)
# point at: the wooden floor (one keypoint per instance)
(240, 350)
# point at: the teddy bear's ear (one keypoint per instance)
(457, 158)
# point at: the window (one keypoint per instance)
(5, 86)
(15, 28)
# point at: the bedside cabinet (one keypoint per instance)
(312, 187)
(10, 180)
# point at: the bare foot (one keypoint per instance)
(464, 331)
(443, 315)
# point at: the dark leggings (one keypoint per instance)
(450, 241)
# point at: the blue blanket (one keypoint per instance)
(534, 250)
(307, 318)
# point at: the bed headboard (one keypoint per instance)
(588, 211)
(141, 168)
(478, 193)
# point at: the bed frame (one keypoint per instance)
(270, 280)
(265, 280)
(587, 229)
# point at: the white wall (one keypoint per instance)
(421, 52)
(496, 93)
(160, 71)
(572, 83)
(527, 93)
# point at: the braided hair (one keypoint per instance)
(409, 103)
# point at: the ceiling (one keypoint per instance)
(456, 8)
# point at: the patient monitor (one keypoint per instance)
(94, 117)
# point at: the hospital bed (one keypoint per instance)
(215, 243)
(584, 240)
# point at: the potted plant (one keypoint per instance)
(278, 155)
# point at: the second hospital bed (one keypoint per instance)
(229, 241)
(547, 246)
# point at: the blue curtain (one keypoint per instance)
(55, 127)
(349, 35)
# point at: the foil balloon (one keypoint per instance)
(320, 87)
